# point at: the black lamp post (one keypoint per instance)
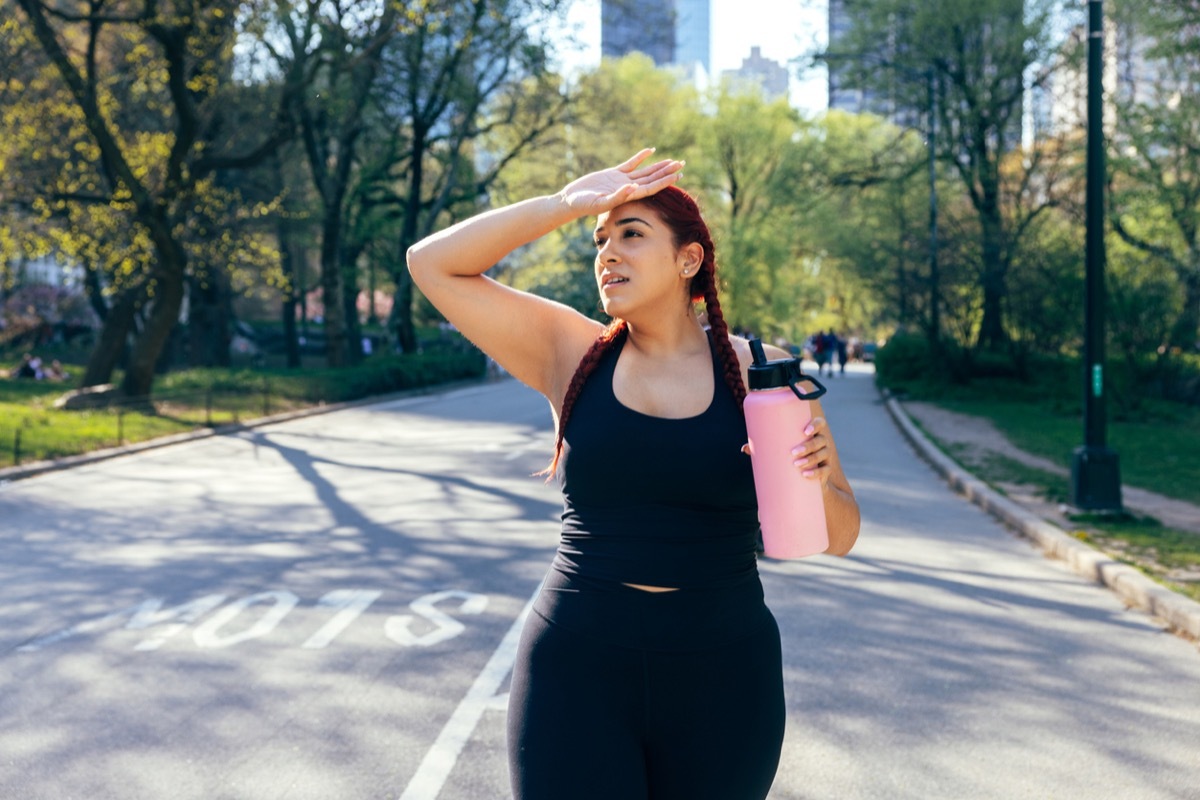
(1095, 469)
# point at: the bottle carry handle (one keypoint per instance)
(795, 375)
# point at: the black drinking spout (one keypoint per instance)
(756, 350)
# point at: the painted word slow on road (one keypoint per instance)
(221, 624)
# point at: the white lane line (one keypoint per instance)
(435, 768)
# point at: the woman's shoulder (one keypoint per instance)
(741, 346)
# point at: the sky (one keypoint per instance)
(783, 29)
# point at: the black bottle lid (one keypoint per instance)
(779, 372)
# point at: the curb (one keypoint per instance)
(1181, 614)
(33, 468)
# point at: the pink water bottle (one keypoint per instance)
(791, 509)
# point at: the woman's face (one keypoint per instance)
(637, 262)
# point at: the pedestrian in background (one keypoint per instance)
(650, 666)
(821, 351)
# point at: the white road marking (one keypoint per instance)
(348, 604)
(352, 603)
(74, 630)
(282, 602)
(149, 613)
(446, 627)
(435, 768)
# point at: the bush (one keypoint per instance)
(906, 363)
(384, 374)
(1171, 376)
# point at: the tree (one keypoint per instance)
(867, 220)
(978, 54)
(461, 73)
(1155, 163)
(758, 161)
(147, 80)
(336, 49)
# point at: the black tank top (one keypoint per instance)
(654, 501)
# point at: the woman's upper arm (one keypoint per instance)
(537, 341)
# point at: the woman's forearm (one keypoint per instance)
(842, 519)
(474, 245)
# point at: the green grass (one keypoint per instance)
(1158, 451)
(1162, 553)
(32, 429)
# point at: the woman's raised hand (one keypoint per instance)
(600, 191)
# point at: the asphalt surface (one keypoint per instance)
(325, 608)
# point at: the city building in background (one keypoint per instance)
(671, 32)
(1130, 76)
(847, 95)
(843, 94)
(706, 39)
(628, 26)
(693, 35)
(768, 74)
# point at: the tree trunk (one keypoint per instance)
(354, 348)
(139, 374)
(991, 328)
(114, 334)
(94, 291)
(210, 319)
(331, 289)
(165, 290)
(291, 294)
(400, 321)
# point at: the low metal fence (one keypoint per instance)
(46, 433)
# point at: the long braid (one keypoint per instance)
(704, 287)
(587, 365)
(720, 330)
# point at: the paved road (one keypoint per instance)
(325, 608)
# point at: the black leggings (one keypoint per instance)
(619, 694)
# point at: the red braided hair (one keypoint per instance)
(679, 211)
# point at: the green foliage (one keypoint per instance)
(1046, 294)
(906, 363)
(870, 225)
(123, 173)
(1155, 197)
(971, 58)
(755, 165)
(1140, 382)
(819, 223)
(395, 373)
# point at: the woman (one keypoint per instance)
(651, 667)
